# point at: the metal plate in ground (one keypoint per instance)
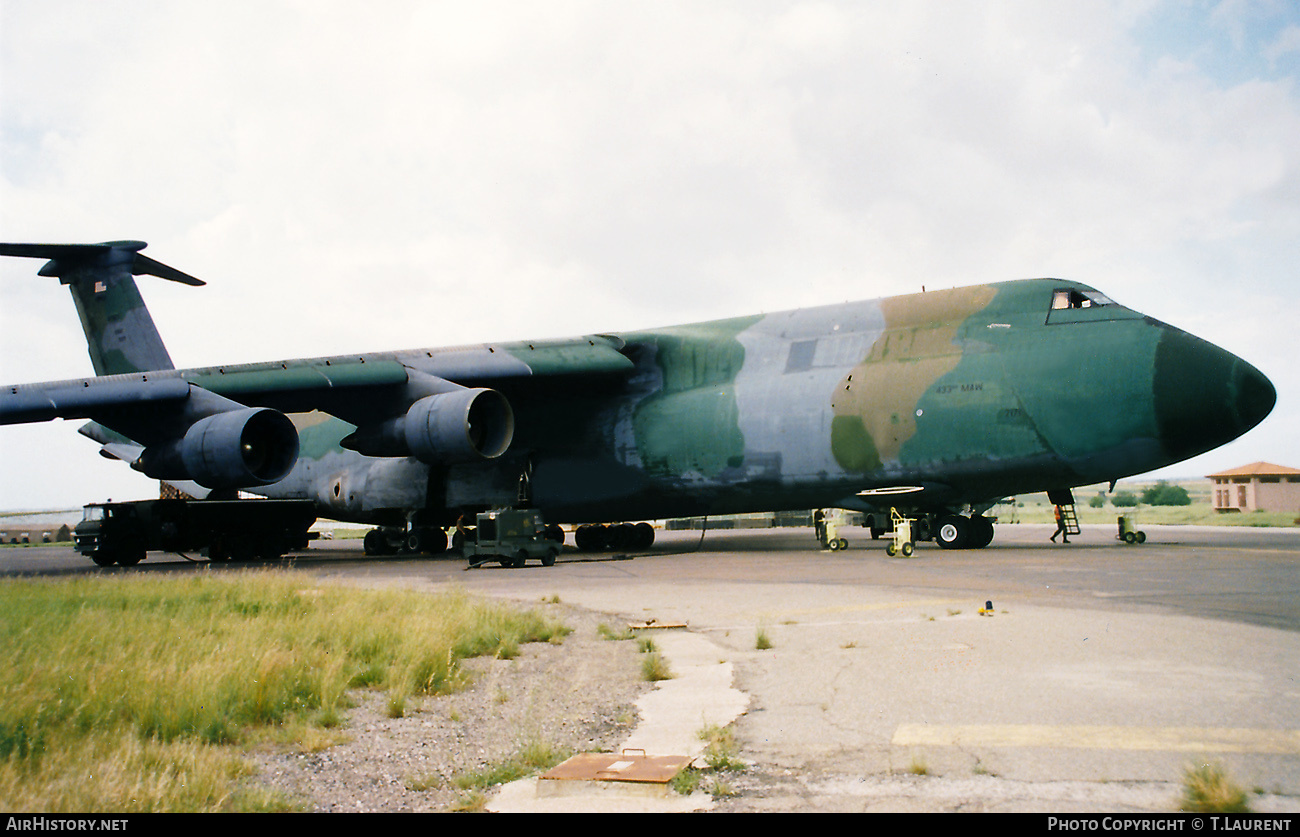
(618, 767)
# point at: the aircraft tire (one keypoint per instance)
(622, 536)
(376, 543)
(981, 534)
(953, 532)
(428, 540)
(592, 538)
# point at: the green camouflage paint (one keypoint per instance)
(690, 425)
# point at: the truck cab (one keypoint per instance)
(110, 534)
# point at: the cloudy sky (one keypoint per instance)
(353, 176)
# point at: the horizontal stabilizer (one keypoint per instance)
(66, 258)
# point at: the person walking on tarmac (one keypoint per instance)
(1060, 528)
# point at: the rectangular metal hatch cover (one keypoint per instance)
(619, 767)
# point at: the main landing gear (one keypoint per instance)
(418, 540)
(955, 531)
(616, 536)
(948, 529)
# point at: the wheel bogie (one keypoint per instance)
(420, 540)
(599, 537)
(956, 531)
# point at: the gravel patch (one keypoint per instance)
(577, 696)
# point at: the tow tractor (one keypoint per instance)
(510, 537)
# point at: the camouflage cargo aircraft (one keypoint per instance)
(938, 404)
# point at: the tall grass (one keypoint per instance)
(1208, 789)
(133, 694)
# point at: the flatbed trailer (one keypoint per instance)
(239, 530)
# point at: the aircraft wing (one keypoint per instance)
(227, 426)
(88, 398)
(332, 384)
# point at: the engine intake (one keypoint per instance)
(234, 449)
(466, 424)
(456, 426)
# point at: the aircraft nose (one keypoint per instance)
(1205, 396)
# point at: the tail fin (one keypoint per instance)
(120, 333)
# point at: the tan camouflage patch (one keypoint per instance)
(875, 405)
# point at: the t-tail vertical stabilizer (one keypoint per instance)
(120, 333)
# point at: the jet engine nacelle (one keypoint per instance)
(460, 425)
(455, 426)
(234, 449)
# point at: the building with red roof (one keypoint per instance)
(1260, 486)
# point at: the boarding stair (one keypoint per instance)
(1069, 520)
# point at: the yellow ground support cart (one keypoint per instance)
(902, 542)
(832, 520)
(1127, 533)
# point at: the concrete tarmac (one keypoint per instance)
(1084, 690)
(1099, 675)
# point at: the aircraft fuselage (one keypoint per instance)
(938, 404)
(935, 401)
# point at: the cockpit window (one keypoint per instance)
(1071, 298)
(1084, 305)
